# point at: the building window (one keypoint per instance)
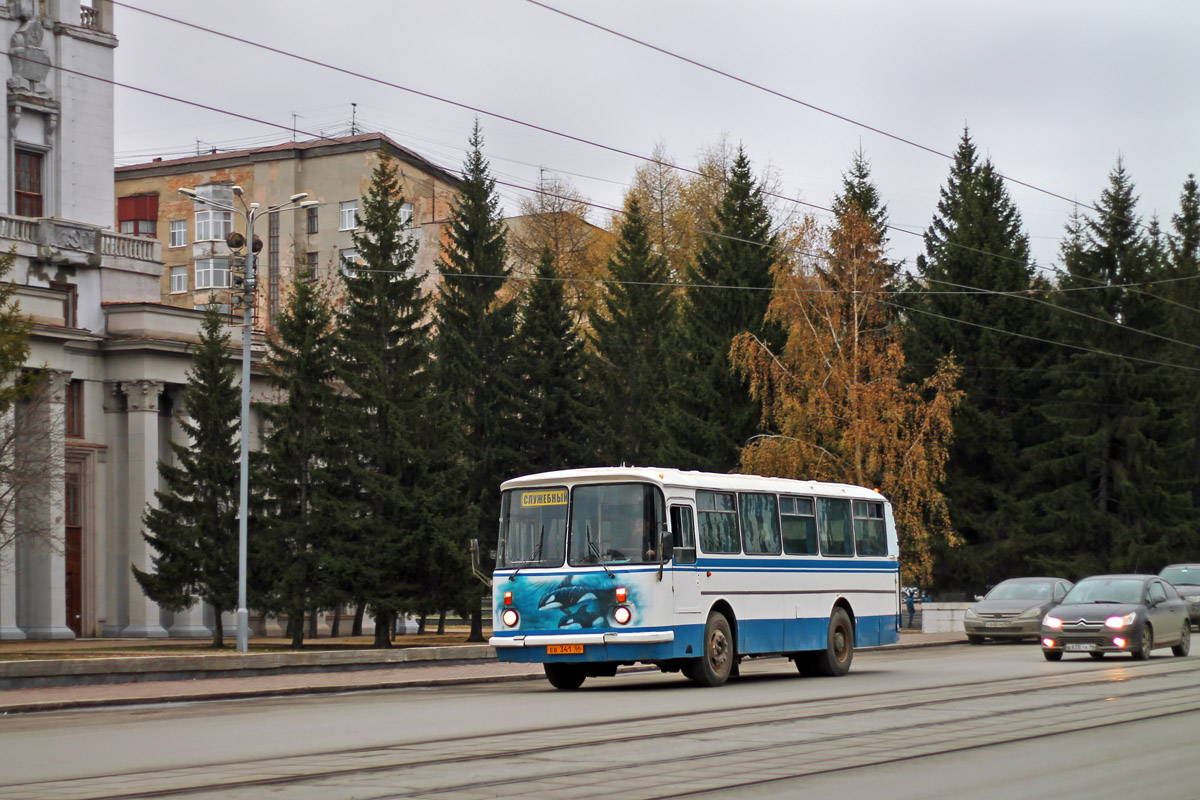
(312, 262)
(213, 225)
(272, 265)
(349, 259)
(28, 183)
(349, 215)
(75, 409)
(178, 233)
(406, 216)
(137, 215)
(212, 273)
(70, 302)
(178, 280)
(311, 219)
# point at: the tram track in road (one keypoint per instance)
(694, 744)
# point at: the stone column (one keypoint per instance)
(116, 549)
(189, 623)
(45, 579)
(8, 550)
(141, 412)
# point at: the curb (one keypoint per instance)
(250, 693)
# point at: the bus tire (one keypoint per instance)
(806, 663)
(713, 667)
(565, 676)
(835, 659)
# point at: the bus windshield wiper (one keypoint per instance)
(537, 555)
(587, 533)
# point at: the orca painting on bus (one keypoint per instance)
(691, 572)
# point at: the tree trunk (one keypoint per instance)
(421, 623)
(312, 624)
(476, 626)
(383, 632)
(296, 627)
(335, 628)
(356, 630)
(442, 621)
(218, 630)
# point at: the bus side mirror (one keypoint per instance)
(684, 555)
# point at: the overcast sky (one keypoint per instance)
(1053, 92)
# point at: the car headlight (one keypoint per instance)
(970, 614)
(1030, 613)
(1117, 623)
(1052, 622)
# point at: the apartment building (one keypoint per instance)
(336, 173)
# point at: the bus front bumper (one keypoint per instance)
(612, 637)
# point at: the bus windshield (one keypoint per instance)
(533, 528)
(616, 523)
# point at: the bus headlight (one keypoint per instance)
(622, 615)
(510, 617)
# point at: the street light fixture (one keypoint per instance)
(249, 214)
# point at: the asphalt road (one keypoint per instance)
(995, 721)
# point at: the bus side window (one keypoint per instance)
(833, 517)
(868, 529)
(799, 526)
(718, 522)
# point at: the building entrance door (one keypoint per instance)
(73, 545)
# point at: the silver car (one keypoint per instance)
(1186, 580)
(1013, 609)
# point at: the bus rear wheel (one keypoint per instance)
(835, 659)
(714, 666)
(565, 676)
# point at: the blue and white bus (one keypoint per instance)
(691, 572)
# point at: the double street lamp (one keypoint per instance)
(249, 213)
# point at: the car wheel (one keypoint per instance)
(565, 676)
(712, 668)
(835, 659)
(1185, 641)
(1096, 655)
(974, 638)
(1052, 655)
(1142, 653)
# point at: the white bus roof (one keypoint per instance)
(678, 478)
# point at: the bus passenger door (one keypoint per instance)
(685, 579)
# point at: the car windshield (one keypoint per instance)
(1106, 590)
(1182, 576)
(1019, 590)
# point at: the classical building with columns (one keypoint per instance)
(115, 357)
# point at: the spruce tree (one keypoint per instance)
(384, 415)
(556, 424)
(973, 284)
(727, 294)
(1102, 485)
(293, 536)
(1182, 267)
(194, 528)
(476, 363)
(630, 347)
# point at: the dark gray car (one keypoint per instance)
(1013, 609)
(1117, 614)
(1186, 580)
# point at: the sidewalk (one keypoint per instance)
(402, 672)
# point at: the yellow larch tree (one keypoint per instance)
(833, 395)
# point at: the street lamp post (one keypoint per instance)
(249, 214)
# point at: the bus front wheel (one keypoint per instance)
(835, 659)
(565, 676)
(714, 666)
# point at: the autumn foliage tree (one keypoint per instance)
(833, 398)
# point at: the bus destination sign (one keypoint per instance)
(552, 497)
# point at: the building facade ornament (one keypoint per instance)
(142, 395)
(30, 61)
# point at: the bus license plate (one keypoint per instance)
(564, 649)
